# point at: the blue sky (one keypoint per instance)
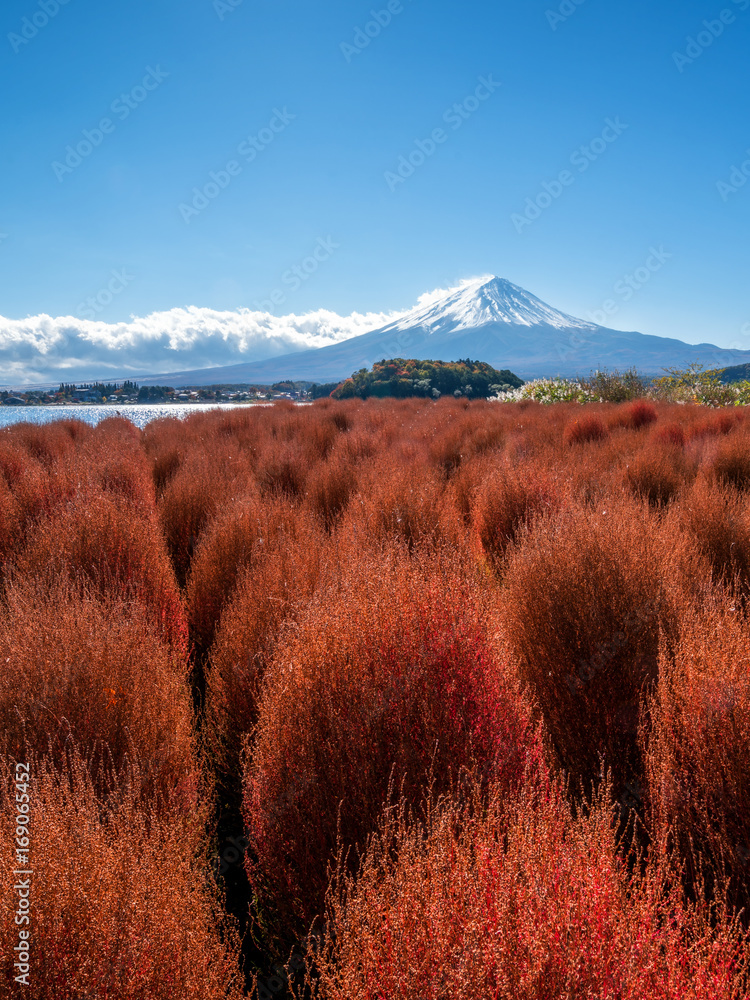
(205, 80)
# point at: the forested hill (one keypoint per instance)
(400, 378)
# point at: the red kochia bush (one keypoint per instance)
(698, 763)
(165, 443)
(233, 539)
(586, 428)
(207, 479)
(10, 523)
(330, 487)
(112, 459)
(100, 540)
(586, 594)
(279, 577)
(722, 422)
(248, 536)
(659, 472)
(506, 499)
(717, 518)
(388, 676)
(673, 434)
(121, 905)
(639, 414)
(50, 442)
(517, 902)
(94, 673)
(35, 489)
(402, 498)
(731, 464)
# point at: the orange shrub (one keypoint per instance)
(586, 593)
(36, 490)
(10, 524)
(638, 414)
(49, 442)
(456, 434)
(696, 749)
(731, 464)
(225, 548)
(330, 487)
(96, 675)
(121, 905)
(112, 460)
(402, 500)
(279, 579)
(659, 473)
(506, 500)
(389, 676)
(207, 479)
(247, 535)
(718, 519)
(722, 422)
(671, 434)
(518, 902)
(99, 540)
(165, 444)
(584, 429)
(282, 470)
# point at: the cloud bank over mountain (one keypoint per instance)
(45, 349)
(489, 318)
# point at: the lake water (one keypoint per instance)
(140, 415)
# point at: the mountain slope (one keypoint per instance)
(491, 320)
(737, 373)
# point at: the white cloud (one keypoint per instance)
(43, 349)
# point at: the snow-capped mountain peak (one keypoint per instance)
(481, 301)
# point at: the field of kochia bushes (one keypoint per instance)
(468, 684)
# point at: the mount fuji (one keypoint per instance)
(489, 319)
